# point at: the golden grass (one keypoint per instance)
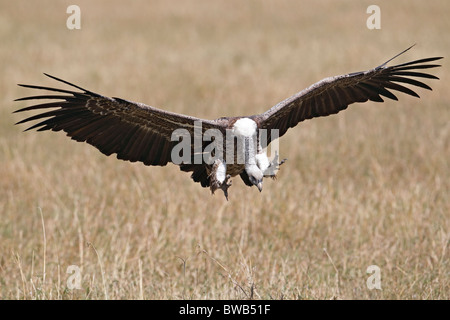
(369, 186)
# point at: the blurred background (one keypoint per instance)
(369, 186)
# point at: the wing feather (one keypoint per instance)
(334, 94)
(134, 131)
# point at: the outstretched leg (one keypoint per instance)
(273, 168)
(218, 177)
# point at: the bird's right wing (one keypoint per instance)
(331, 95)
(134, 131)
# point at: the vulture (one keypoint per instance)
(212, 150)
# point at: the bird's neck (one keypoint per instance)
(245, 129)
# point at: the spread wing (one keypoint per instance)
(331, 95)
(134, 131)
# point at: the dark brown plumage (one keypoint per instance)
(334, 94)
(137, 132)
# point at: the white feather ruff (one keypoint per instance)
(221, 172)
(244, 127)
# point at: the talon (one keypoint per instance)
(225, 185)
(273, 167)
(216, 176)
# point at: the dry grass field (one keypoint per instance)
(369, 186)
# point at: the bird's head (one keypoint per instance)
(255, 176)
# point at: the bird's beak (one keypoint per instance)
(259, 186)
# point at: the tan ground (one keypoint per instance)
(369, 186)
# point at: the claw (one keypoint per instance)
(225, 185)
(217, 184)
(273, 168)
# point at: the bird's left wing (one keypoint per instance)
(331, 95)
(134, 131)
